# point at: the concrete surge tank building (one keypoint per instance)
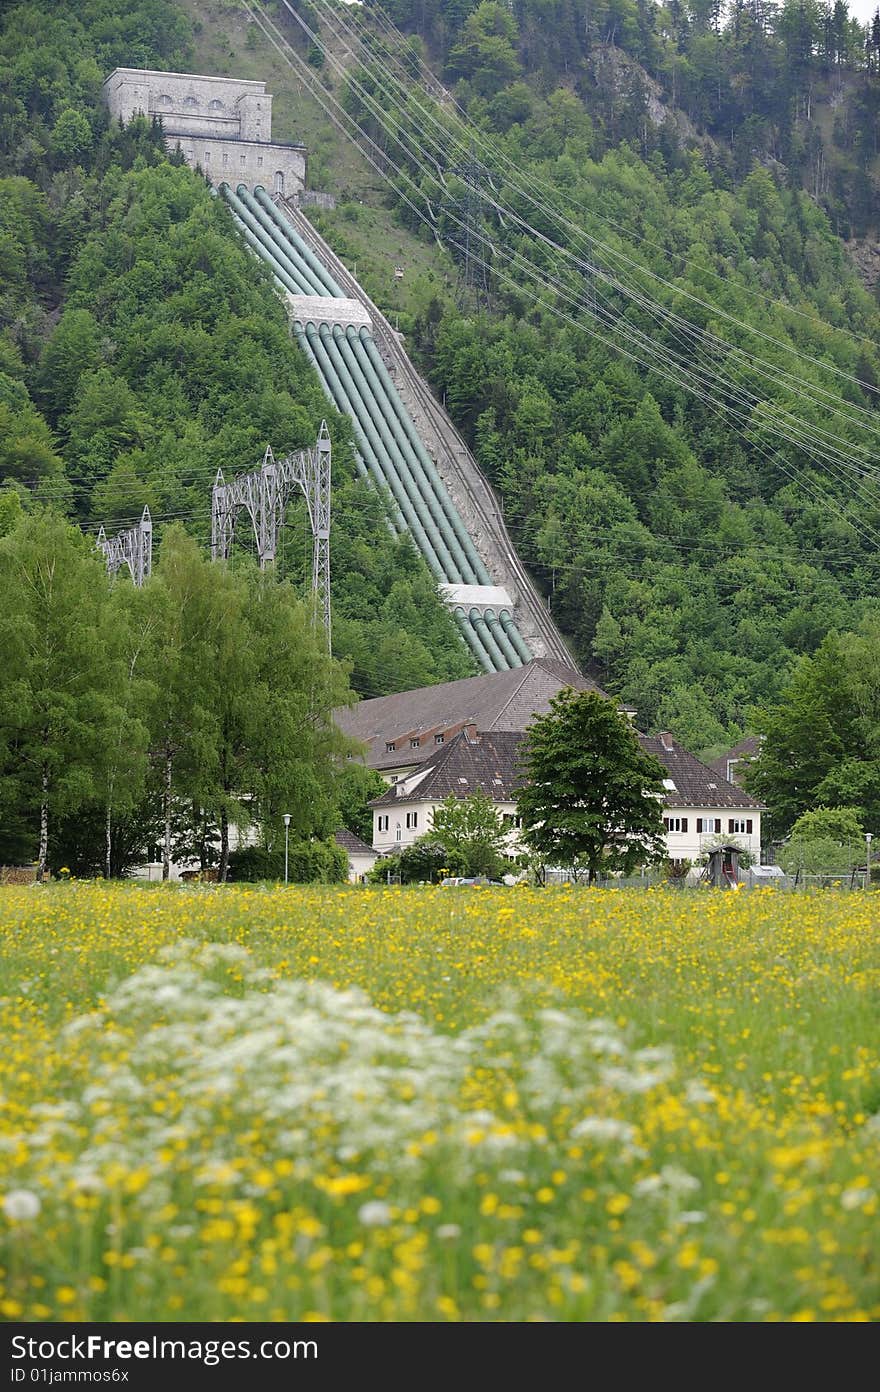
(223, 125)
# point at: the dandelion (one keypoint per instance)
(448, 1232)
(374, 1214)
(21, 1205)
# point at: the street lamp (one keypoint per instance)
(286, 840)
(868, 839)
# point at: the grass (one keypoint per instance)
(437, 1104)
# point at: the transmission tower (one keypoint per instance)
(132, 548)
(472, 289)
(264, 494)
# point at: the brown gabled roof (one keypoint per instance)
(497, 701)
(490, 764)
(741, 753)
(487, 764)
(696, 784)
(351, 844)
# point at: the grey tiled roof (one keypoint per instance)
(487, 764)
(696, 784)
(496, 701)
(351, 844)
(490, 764)
(741, 753)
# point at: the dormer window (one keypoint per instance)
(438, 739)
(414, 743)
(389, 748)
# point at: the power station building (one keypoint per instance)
(222, 125)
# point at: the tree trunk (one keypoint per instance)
(166, 802)
(107, 844)
(223, 867)
(44, 826)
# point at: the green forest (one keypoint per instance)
(639, 184)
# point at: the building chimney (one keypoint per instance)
(470, 732)
(666, 741)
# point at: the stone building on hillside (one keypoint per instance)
(223, 125)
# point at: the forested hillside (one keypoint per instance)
(641, 313)
(650, 331)
(142, 346)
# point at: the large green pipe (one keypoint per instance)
(442, 508)
(305, 251)
(480, 640)
(335, 391)
(472, 641)
(303, 342)
(332, 381)
(428, 464)
(501, 638)
(284, 267)
(508, 623)
(383, 446)
(354, 408)
(481, 628)
(376, 478)
(283, 249)
(430, 513)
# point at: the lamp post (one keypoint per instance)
(868, 839)
(286, 840)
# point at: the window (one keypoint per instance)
(190, 101)
(279, 181)
(259, 161)
(389, 748)
(164, 100)
(675, 823)
(743, 825)
(412, 821)
(382, 822)
(397, 833)
(709, 824)
(438, 739)
(414, 743)
(207, 157)
(216, 105)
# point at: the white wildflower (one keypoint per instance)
(448, 1232)
(20, 1205)
(855, 1197)
(375, 1214)
(602, 1129)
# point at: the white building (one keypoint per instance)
(361, 857)
(222, 125)
(463, 737)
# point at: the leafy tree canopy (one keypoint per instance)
(592, 795)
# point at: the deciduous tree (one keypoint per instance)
(592, 795)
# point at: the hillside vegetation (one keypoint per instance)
(699, 516)
(142, 346)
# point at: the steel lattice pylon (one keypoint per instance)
(264, 494)
(132, 548)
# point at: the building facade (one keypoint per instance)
(464, 737)
(222, 125)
